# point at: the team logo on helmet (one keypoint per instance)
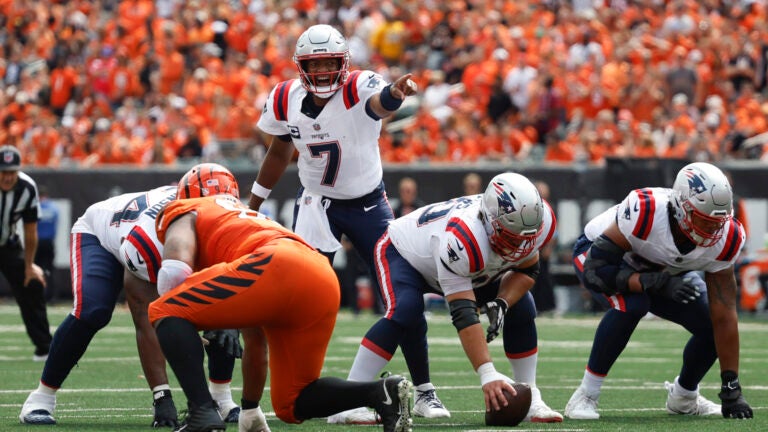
(695, 183)
(8, 157)
(504, 199)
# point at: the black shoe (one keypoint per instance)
(393, 403)
(165, 410)
(233, 416)
(203, 419)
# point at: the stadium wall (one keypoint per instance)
(579, 192)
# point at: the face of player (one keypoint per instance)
(8, 180)
(323, 71)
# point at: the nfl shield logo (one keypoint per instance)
(307, 200)
(316, 126)
(8, 157)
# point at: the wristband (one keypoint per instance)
(172, 273)
(260, 191)
(389, 102)
(487, 372)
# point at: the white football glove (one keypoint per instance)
(252, 420)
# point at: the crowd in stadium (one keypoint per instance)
(87, 83)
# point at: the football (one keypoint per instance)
(516, 409)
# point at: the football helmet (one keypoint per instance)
(703, 202)
(513, 212)
(207, 179)
(322, 42)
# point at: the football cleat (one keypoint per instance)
(428, 405)
(228, 409)
(357, 416)
(689, 405)
(393, 403)
(38, 409)
(539, 412)
(581, 406)
(204, 418)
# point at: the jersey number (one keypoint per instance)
(131, 211)
(331, 151)
(439, 210)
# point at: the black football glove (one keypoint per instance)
(226, 340)
(495, 310)
(165, 410)
(734, 404)
(677, 288)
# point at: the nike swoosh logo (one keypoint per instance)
(388, 400)
(458, 245)
(637, 208)
(367, 209)
(138, 258)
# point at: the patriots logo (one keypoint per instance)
(452, 255)
(504, 199)
(695, 183)
(130, 264)
(627, 215)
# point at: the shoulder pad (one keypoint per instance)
(141, 254)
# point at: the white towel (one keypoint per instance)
(312, 222)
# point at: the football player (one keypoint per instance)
(478, 250)
(643, 255)
(227, 266)
(113, 235)
(332, 116)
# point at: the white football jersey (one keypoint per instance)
(125, 226)
(447, 243)
(339, 150)
(643, 218)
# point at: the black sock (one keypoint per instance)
(330, 395)
(184, 351)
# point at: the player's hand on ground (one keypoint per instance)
(733, 403)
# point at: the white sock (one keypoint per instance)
(592, 384)
(44, 389)
(367, 365)
(524, 369)
(160, 387)
(425, 387)
(684, 392)
(220, 388)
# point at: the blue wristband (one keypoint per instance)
(388, 101)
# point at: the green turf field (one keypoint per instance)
(108, 393)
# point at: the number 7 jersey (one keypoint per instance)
(339, 150)
(447, 243)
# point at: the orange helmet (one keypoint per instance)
(207, 179)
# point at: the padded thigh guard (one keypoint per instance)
(602, 265)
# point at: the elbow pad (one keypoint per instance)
(602, 265)
(463, 313)
(172, 273)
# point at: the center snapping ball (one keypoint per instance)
(516, 409)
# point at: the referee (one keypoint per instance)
(18, 200)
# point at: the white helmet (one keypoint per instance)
(512, 212)
(703, 202)
(322, 42)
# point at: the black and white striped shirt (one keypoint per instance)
(21, 202)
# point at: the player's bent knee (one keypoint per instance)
(97, 318)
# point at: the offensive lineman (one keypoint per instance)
(643, 255)
(474, 250)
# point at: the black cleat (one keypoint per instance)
(233, 416)
(393, 403)
(165, 410)
(203, 419)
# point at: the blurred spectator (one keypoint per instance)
(543, 290)
(472, 184)
(47, 226)
(408, 197)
